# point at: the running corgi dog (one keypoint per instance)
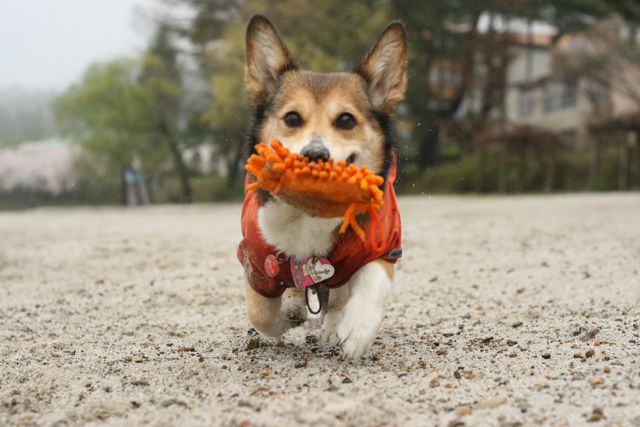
(343, 116)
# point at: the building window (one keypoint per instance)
(559, 95)
(525, 102)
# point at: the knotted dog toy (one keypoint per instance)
(322, 189)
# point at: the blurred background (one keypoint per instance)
(142, 101)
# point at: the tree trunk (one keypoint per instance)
(428, 152)
(234, 169)
(481, 169)
(187, 194)
(595, 163)
(502, 174)
(123, 186)
(550, 174)
(522, 172)
(178, 163)
(623, 174)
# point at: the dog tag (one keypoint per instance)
(310, 271)
(271, 266)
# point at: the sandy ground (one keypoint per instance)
(506, 311)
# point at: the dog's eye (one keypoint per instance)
(292, 119)
(345, 122)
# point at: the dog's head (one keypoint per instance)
(342, 115)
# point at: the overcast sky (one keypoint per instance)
(46, 44)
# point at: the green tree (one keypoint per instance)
(107, 114)
(161, 77)
(127, 111)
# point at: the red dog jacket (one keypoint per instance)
(348, 255)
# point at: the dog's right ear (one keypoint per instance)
(267, 58)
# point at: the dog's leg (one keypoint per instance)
(265, 314)
(363, 313)
(337, 300)
(294, 306)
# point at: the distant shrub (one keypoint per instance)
(471, 174)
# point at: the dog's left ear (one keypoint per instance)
(384, 68)
(267, 58)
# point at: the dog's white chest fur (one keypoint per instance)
(295, 233)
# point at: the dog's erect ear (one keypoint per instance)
(267, 59)
(384, 68)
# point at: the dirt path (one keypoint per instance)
(505, 311)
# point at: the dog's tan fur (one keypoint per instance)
(320, 99)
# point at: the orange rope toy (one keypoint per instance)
(324, 189)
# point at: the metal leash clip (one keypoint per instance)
(322, 293)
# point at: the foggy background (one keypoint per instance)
(141, 101)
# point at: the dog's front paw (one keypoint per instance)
(358, 327)
(330, 326)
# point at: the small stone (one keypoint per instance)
(523, 405)
(441, 351)
(542, 383)
(311, 339)
(589, 335)
(590, 353)
(511, 343)
(347, 380)
(494, 402)
(517, 324)
(253, 343)
(487, 340)
(546, 355)
(265, 373)
(434, 383)
(596, 415)
(596, 381)
(606, 370)
(463, 411)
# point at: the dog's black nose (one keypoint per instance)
(316, 150)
